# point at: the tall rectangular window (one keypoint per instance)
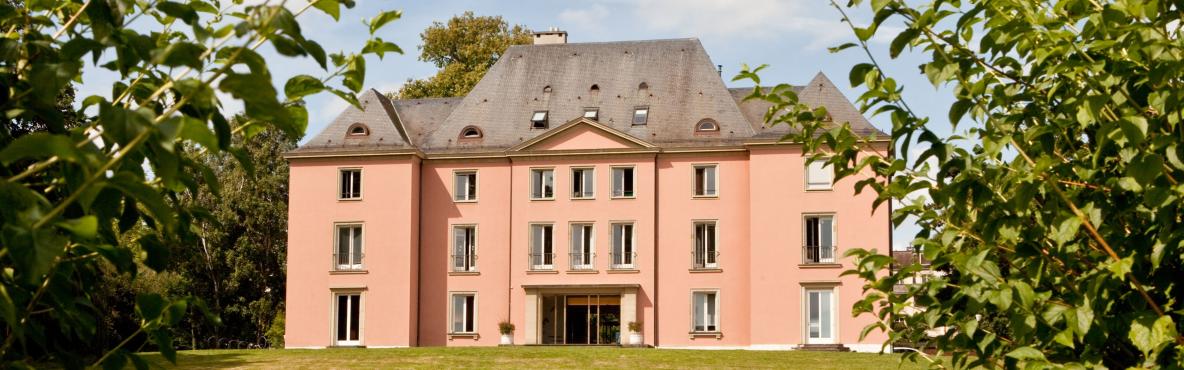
(623, 252)
(465, 186)
(348, 312)
(464, 248)
(582, 250)
(819, 244)
(351, 184)
(705, 311)
(542, 183)
(705, 180)
(348, 255)
(583, 183)
(705, 252)
(542, 247)
(464, 313)
(623, 182)
(819, 175)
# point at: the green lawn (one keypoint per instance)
(527, 358)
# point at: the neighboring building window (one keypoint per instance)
(464, 313)
(641, 115)
(623, 182)
(819, 233)
(707, 126)
(538, 120)
(358, 129)
(542, 247)
(465, 188)
(623, 252)
(348, 323)
(592, 113)
(705, 180)
(470, 132)
(348, 255)
(705, 248)
(583, 183)
(351, 183)
(542, 183)
(582, 250)
(819, 175)
(706, 311)
(464, 248)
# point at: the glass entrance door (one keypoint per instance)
(580, 319)
(819, 316)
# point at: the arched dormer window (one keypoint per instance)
(547, 89)
(595, 89)
(643, 87)
(707, 125)
(471, 132)
(358, 129)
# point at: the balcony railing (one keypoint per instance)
(464, 263)
(583, 261)
(812, 254)
(705, 259)
(542, 261)
(346, 265)
(623, 261)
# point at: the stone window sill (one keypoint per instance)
(706, 270)
(706, 334)
(348, 272)
(541, 272)
(624, 271)
(820, 266)
(464, 273)
(587, 272)
(473, 336)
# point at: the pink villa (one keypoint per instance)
(577, 188)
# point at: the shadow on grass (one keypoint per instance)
(211, 359)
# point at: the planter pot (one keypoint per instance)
(635, 339)
(507, 339)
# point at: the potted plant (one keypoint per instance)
(635, 338)
(506, 328)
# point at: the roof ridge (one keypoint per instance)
(611, 42)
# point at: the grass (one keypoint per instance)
(526, 358)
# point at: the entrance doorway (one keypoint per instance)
(580, 319)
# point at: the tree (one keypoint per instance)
(463, 49)
(79, 205)
(1059, 205)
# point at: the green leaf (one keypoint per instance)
(177, 10)
(379, 47)
(40, 145)
(1145, 168)
(1151, 334)
(85, 227)
(330, 7)
(302, 85)
(1026, 353)
(7, 308)
(383, 18)
(842, 47)
(149, 305)
(903, 39)
(859, 72)
(164, 342)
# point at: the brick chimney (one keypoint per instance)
(551, 36)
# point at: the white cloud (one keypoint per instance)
(744, 19)
(589, 18)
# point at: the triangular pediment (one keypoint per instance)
(582, 134)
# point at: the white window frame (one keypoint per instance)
(834, 242)
(818, 165)
(717, 318)
(361, 258)
(834, 314)
(595, 111)
(631, 256)
(472, 249)
(710, 257)
(633, 184)
(457, 192)
(577, 249)
(542, 254)
(334, 309)
(633, 118)
(586, 193)
(341, 179)
(534, 119)
(452, 312)
(542, 186)
(695, 181)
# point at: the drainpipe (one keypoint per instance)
(510, 252)
(419, 258)
(656, 222)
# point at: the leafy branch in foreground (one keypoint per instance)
(73, 196)
(1058, 209)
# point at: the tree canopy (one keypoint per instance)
(463, 49)
(1058, 206)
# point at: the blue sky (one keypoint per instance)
(789, 35)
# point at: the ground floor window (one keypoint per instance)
(705, 311)
(464, 313)
(820, 316)
(348, 311)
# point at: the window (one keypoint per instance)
(358, 129)
(705, 180)
(642, 87)
(819, 234)
(595, 89)
(470, 132)
(348, 326)
(582, 250)
(547, 89)
(464, 313)
(542, 183)
(592, 113)
(641, 115)
(623, 182)
(464, 248)
(351, 184)
(542, 247)
(583, 183)
(705, 249)
(348, 255)
(538, 120)
(623, 253)
(707, 125)
(465, 189)
(706, 312)
(819, 175)
(819, 311)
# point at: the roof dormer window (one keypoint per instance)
(470, 132)
(539, 120)
(358, 129)
(595, 89)
(707, 125)
(643, 87)
(641, 115)
(592, 113)
(547, 89)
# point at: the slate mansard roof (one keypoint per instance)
(674, 79)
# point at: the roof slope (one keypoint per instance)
(819, 92)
